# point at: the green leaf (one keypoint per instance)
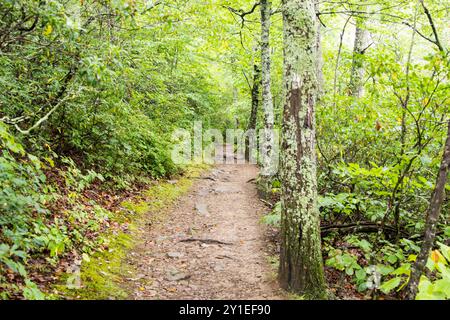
(389, 285)
(32, 292)
(360, 274)
(392, 259)
(384, 269)
(445, 250)
(349, 271)
(404, 269)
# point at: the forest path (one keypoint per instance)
(212, 244)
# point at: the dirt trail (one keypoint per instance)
(212, 244)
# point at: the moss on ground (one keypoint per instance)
(102, 274)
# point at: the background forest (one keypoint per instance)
(91, 92)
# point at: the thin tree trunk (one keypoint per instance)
(267, 103)
(432, 218)
(255, 94)
(319, 62)
(301, 265)
(256, 89)
(356, 77)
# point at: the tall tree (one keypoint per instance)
(301, 265)
(360, 45)
(267, 103)
(434, 210)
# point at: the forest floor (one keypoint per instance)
(211, 244)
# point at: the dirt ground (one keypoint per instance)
(212, 244)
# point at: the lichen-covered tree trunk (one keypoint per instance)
(434, 210)
(301, 265)
(360, 45)
(267, 103)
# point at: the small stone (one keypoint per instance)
(202, 208)
(178, 277)
(175, 275)
(161, 238)
(174, 254)
(190, 231)
(218, 268)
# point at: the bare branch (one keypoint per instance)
(246, 78)
(433, 27)
(241, 13)
(338, 58)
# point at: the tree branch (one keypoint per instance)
(45, 118)
(241, 13)
(433, 27)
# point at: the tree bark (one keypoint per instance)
(319, 62)
(434, 210)
(255, 94)
(267, 103)
(256, 89)
(356, 77)
(301, 264)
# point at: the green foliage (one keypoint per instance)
(433, 286)
(32, 292)
(27, 226)
(22, 182)
(273, 217)
(343, 261)
(74, 179)
(118, 93)
(378, 154)
(388, 270)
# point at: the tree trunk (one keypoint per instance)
(255, 96)
(356, 77)
(432, 219)
(319, 62)
(301, 264)
(267, 103)
(255, 93)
